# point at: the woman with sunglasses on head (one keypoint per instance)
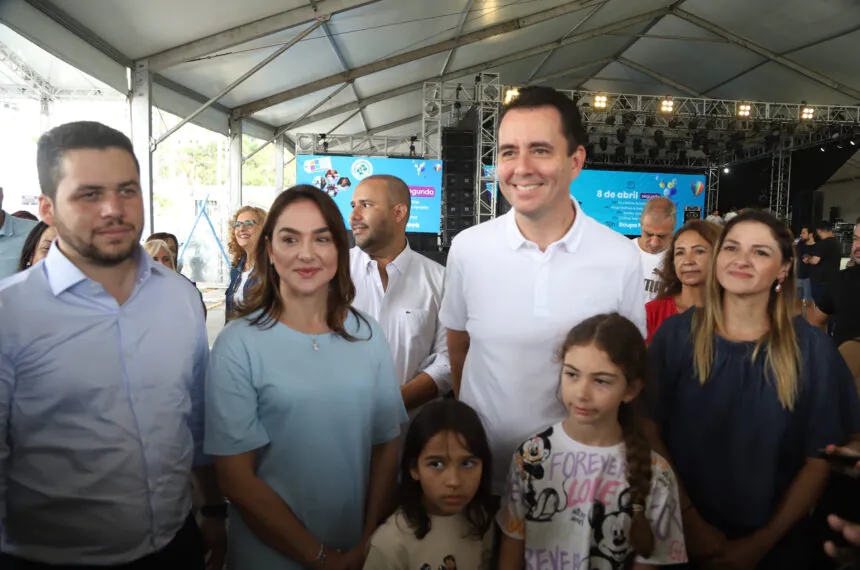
(242, 244)
(746, 397)
(303, 405)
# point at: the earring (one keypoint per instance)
(779, 288)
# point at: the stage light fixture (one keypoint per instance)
(821, 149)
(673, 124)
(744, 110)
(637, 146)
(807, 114)
(610, 120)
(667, 105)
(682, 155)
(620, 151)
(726, 170)
(653, 153)
(650, 121)
(659, 139)
(604, 142)
(600, 101)
(853, 143)
(511, 94)
(621, 135)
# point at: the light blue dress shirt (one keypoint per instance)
(313, 416)
(13, 233)
(101, 412)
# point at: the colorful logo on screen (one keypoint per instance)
(667, 187)
(317, 165)
(361, 169)
(697, 187)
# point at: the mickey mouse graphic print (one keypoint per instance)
(571, 504)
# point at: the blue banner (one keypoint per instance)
(615, 198)
(338, 176)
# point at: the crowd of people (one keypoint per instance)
(556, 396)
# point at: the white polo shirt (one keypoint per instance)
(408, 312)
(518, 304)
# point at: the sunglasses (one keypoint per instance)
(246, 223)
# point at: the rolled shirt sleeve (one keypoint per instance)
(453, 313)
(389, 414)
(438, 365)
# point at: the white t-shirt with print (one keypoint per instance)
(571, 503)
(447, 546)
(650, 264)
(239, 295)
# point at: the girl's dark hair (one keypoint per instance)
(623, 343)
(30, 245)
(670, 285)
(437, 417)
(265, 294)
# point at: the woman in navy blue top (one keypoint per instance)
(746, 396)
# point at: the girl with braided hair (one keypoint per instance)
(589, 492)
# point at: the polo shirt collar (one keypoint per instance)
(400, 263)
(569, 241)
(62, 274)
(8, 227)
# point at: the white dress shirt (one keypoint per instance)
(518, 303)
(408, 311)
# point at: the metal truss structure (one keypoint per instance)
(359, 145)
(780, 182)
(489, 95)
(712, 194)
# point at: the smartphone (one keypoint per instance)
(846, 460)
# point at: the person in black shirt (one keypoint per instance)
(805, 250)
(744, 395)
(841, 297)
(827, 258)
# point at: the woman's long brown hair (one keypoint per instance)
(670, 284)
(265, 295)
(783, 354)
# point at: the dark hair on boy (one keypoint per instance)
(438, 417)
(571, 120)
(55, 143)
(621, 340)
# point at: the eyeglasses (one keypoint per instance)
(246, 223)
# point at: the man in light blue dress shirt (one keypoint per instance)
(103, 355)
(13, 233)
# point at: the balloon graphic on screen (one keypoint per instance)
(697, 188)
(662, 185)
(438, 167)
(670, 191)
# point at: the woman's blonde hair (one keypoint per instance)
(236, 251)
(783, 354)
(151, 247)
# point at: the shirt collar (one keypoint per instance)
(400, 263)
(8, 227)
(62, 274)
(569, 241)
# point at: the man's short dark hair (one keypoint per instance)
(571, 120)
(824, 227)
(72, 136)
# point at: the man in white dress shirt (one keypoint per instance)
(658, 220)
(517, 284)
(399, 288)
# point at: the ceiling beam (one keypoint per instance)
(477, 68)
(250, 31)
(460, 23)
(339, 55)
(659, 77)
(569, 33)
(814, 43)
(654, 21)
(763, 51)
(416, 54)
(401, 123)
(568, 71)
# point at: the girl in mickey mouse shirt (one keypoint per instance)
(588, 493)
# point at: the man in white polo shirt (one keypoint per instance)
(399, 288)
(658, 220)
(517, 284)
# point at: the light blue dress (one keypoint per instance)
(313, 416)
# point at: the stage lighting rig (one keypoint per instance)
(604, 143)
(744, 110)
(621, 135)
(659, 139)
(667, 105)
(599, 101)
(510, 95)
(807, 113)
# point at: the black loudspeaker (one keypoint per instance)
(423, 242)
(835, 213)
(692, 213)
(459, 152)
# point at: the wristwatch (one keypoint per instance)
(214, 511)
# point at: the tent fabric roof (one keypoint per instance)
(821, 35)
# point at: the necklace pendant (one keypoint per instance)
(316, 346)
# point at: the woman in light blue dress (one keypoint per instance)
(303, 408)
